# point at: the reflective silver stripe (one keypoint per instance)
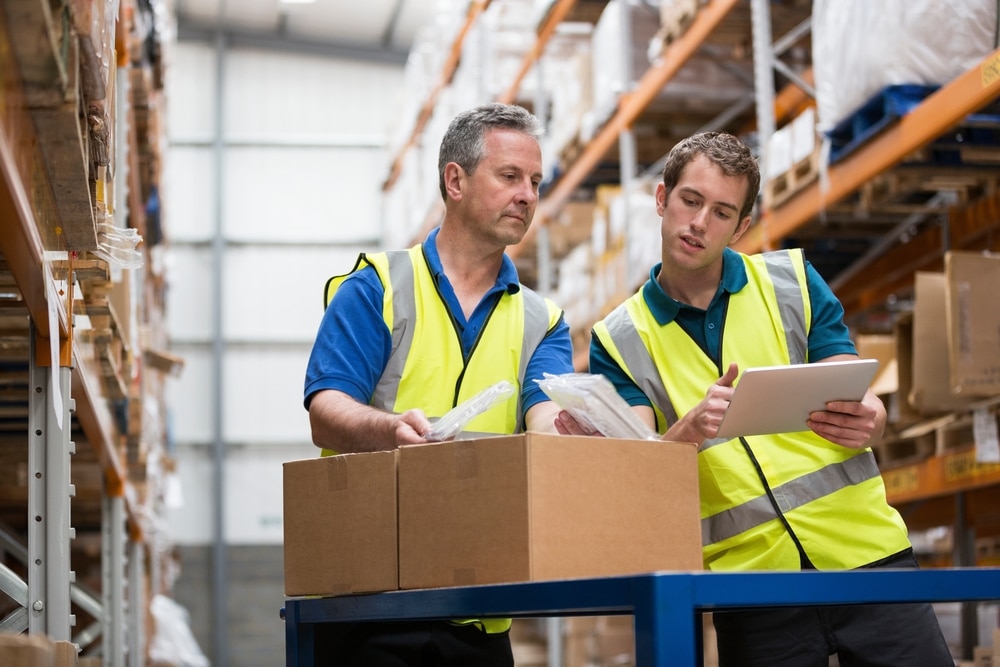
(536, 326)
(404, 314)
(638, 361)
(789, 496)
(790, 305)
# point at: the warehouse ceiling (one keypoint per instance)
(882, 220)
(378, 29)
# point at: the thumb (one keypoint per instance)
(730, 375)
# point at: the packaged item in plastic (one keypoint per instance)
(594, 403)
(455, 420)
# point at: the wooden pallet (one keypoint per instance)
(779, 189)
(906, 189)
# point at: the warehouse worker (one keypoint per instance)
(410, 334)
(808, 500)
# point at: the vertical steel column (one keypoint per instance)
(49, 491)
(554, 639)
(37, 514)
(137, 605)
(545, 281)
(964, 555)
(763, 67)
(626, 140)
(220, 570)
(113, 579)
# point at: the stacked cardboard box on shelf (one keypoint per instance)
(944, 359)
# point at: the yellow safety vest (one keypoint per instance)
(438, 377)
(760, 494)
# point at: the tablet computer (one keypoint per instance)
(778, 399)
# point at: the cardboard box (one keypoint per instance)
(66, 654)
(882, 348)
(26, 651)
(340, 524)
(540, 507)
(898, 408)
(973, 322)
(931, 390)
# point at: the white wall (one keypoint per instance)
(293, 186)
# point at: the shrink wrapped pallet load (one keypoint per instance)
(860, 47)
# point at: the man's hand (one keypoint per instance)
(566, 424)
(853, 424)
(702, 422)
(344, 425)
(410, 428)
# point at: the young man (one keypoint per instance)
(808, 500)
(410, 334)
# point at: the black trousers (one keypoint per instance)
(411, 644)
(873, 635)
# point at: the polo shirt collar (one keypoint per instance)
(665, 308)
(507, 279)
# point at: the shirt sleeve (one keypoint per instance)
(828, 335)
(553, 355)
(353, 343)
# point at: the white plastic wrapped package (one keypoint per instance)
(173, 642)
(454, 421)
(861, 46)
(594, 403)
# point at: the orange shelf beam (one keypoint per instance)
(940, 111)
(22, 247)
(447, 72)
(555, 16)
(630, 106)
(939, 476)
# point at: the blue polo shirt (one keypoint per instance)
(353, 344)
(828, 335)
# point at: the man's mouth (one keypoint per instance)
(691, 241)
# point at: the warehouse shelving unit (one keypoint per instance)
(77, 128)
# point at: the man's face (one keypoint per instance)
(701, 215)
(499, 197)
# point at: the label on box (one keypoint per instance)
(984, 429)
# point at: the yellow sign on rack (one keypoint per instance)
(901, 481)
(962, 467)
(991, 70)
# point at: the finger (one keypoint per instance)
(730, 376)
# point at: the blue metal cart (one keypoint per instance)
(665, 605)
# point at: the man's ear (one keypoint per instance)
(454, 175)
(741, 229)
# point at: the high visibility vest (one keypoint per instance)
(762, 497)
(439, 377)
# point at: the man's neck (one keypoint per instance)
(693, 289)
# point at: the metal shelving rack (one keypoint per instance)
(60, 418)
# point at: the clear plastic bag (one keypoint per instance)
(118, 246)
(455, 420)
(594, 403)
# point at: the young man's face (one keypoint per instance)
(498, 199)
(701, 215)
